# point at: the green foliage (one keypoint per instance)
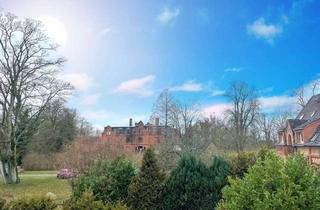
(108, 182)
(2, 203)
(58, 127)
(241, 162)
(31, 204)
(87, 201)
(263, 152)
(274, 184)
(193, 185)
(145, 189)
(118, 206)
(220, 170)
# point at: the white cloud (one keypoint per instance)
(261, 29)
(99, 115)
(218, 92)
(167, 15)
(217, 110)
(270, 104)
(90, 100)
(233, 69)
(81, 81)
(189, 86)
(105, 31)
(275, 103)
(138, 86)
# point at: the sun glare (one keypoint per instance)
(55, 29)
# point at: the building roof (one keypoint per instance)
(303, 125)
(315, 139)
(294, 123)
(311, 111)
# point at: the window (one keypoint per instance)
(300, 138)
(289, 140)
(301, 117)
(108, 133)
(313, 113)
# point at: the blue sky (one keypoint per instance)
(121, 54)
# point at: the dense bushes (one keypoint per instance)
(83, 152)
(108, 181)
(87, 201)
(30, 204)
(145, 190)
(273, 183)
(241, 162)
(260, 180)
(31, 162)
(2, 203)
(193, 185)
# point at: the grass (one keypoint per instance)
(36, 184)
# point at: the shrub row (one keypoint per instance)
(191, 185)
(86, 202)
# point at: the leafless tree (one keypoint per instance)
(244, 111)
(303, 94)
(85, 129)
(267, 127)
(163, 108)
(28, 69)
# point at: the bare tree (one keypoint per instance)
(163, 108)
(244, 111)
(267, 126)
(28, 68)
(213, 131)
(302, 94)
(85, 129)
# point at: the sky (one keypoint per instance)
(122, 54)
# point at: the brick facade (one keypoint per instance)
(135, 138)
(302, 134)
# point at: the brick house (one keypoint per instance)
(137, 137)
(302, 134)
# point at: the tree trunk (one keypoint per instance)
(9, 172)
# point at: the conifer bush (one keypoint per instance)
(193, 185)
(220, 170)
(145, 190)
(273, 183)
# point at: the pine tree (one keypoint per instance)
(144, 192)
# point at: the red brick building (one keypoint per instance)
(137, 137)
(302, 134)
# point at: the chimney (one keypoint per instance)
(130, 122)
(157, 121)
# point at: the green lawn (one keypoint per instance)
(36, 183)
